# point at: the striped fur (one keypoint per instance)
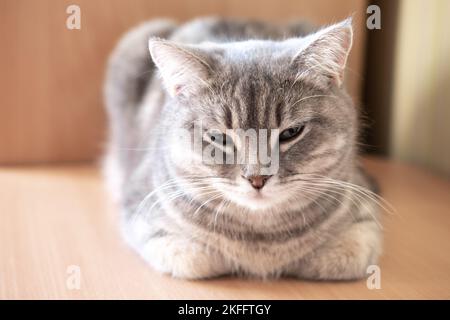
(317, 218)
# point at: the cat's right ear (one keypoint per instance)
(183, 68)
(324, 54)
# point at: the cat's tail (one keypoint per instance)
(129, 71)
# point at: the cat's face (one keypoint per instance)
(258, 101)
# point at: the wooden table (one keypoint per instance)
(54, 217)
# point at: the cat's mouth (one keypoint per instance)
(253, 199)
(243, 195)
(257, 195)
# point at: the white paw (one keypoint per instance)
(183, 258)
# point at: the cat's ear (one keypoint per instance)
(324, 56)
(184, 68)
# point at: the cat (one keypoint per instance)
(315, 217)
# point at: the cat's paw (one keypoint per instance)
(346, 257)
(183, 258)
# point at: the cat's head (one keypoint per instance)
(292, 89)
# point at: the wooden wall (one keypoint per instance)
(51, 77)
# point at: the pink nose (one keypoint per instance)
(258, 182)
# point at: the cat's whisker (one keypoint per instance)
(172, 196)
(343, 192)
(171, 183)
(311, 195)
(355, 186)
(324, 191)
(220, 211)
(380, 201)
(216, 213)
(313, 96)
(368, 193)
(211, 191)
(214, 197)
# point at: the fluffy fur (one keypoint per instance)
(316, 218)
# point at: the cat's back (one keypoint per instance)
(216, 29)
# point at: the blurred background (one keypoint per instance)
(51, 77)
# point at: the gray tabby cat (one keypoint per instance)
(315, 218)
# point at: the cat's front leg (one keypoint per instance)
(344, 257)
(182, 257)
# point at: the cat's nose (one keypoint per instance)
(258, 182)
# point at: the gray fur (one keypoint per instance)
(239, 74)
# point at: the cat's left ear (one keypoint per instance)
(324, 56)
(184, 68)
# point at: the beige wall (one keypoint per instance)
(51, 77)
(421, 102)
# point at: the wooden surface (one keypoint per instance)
(51, 77)
(54, 217)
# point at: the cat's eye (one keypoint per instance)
(291, 133)
(221, 138)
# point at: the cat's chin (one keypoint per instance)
(255, 201)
